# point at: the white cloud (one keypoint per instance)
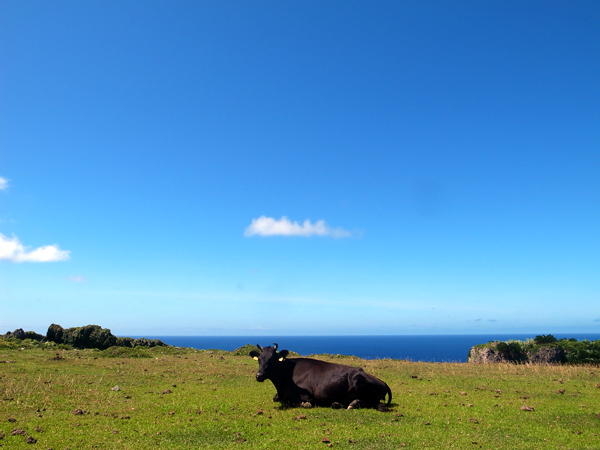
(3, 184)
(12, 250)
(268, 226)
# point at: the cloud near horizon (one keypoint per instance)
(268, 226)
(12, 250)
(3, 184)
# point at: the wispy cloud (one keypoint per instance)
(3, 184)
(268, 226)
(77, 278)
(12, 250)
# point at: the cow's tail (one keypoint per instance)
(389, 394)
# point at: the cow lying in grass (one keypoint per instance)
(310, 382)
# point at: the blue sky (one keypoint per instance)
(271, 168)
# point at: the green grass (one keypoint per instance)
(214, 402)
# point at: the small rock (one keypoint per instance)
(167, 391)
(526, 408)
(30, 440)
(116, 388)
(18, 432)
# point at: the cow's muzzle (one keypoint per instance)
(261, 377)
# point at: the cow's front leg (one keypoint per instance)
(306, 401)
(286, 400)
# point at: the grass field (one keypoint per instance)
(183, 398)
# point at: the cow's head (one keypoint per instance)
(268, 361)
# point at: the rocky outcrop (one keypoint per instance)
(94, 336)
(55, 333)
(547, 355)
(491, 354)
(140, 342)
(487, 355)
(17, 334)
(89, 336)
(20, 334)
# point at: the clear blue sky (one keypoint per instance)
(269, 168)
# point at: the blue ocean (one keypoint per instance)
(425, 348)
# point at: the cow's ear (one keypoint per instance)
(283, 354)
(254, 354)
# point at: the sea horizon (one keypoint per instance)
(421, 348)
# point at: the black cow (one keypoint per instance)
(311, 382)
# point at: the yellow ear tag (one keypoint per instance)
(255, 358)
(281, 359)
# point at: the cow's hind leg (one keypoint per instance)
(355, 404)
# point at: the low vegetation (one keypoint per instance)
(53, 396)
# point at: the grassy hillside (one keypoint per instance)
(182, 398)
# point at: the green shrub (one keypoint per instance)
(124, 352)
(245, 350)
(9, 344)
(545, 339)
(512, 350)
